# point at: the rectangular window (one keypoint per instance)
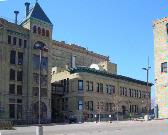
(101, 87)
(80, 105)
(80, 85)
(98, 87)
(113, 89)
(91, 105)
(107, 89)
(20, 58)
(19, 111)
(19, 108)
(9, 39)
(13, 57)
(44, 63)
(164, 67)
(25, 43)
(12, 74)
(20, 42)
(120, 91)
(12, 111)
(19, 90)
(130, 92)
(19, 76)
(35, 91)
(89, 86)
(44, 92)
(12, 89)
(139, 94)
(14, 40)
(125, 91)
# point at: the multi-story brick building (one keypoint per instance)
(87, 92)
(160, 56)
(20, 46)
(19, 66)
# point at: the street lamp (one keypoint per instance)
(41, 47)
(147, 78)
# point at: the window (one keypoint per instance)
(107, 89)
(39, 30)
(35, 78)
(13, 57)
(35, 91)
(25, 43)
(89, 86)
(20, 42)
(43, 92)
(130, 92)
(19, 111)
(139, 94)
(90, 105)
(98, 87)
(113, 89)
(20, 58)
(125, 91)
(80, 105)
(80, 85)
(101, 87)
(43, 32)
(67, 85)
(47, 33)
(44, 80)
(12, 110)
(164, 67)
(19, 76)
(134, 108)
(19, 108)
(12, 74)
(12, 89)
(14, 40)
(19, 90)
(44, 63)
(34, 29)
(9, 39)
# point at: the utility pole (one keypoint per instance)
(147, 84)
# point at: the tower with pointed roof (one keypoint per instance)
(40, 33)
(37, 21)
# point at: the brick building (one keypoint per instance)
(19, 74)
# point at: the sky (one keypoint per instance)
(121, 29)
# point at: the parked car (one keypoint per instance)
(72, 119)
(151, 116)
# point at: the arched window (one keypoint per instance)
(34, 29)
(43, 32)
(47, 33)
(39, 30)
(167, 28)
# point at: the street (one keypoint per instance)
(155, 127)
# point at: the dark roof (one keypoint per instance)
(38, 13)
(107, 74)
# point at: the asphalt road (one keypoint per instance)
(156, 127)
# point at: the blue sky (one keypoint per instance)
(121, 29)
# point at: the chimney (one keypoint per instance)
(27, 8)
(16, 16)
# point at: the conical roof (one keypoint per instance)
(38, 13)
